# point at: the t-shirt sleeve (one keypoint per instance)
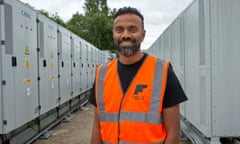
(174, 93)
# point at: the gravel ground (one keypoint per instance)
(76, 131)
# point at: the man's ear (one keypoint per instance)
(143, 34)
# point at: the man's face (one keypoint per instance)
(128, 33)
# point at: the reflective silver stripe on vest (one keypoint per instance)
(108, 117)
(101, 77)
(121, 142)
(150, 117)
(157, 87)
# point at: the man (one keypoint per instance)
(136, 96)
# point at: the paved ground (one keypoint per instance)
(77, 131)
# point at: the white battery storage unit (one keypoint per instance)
(64, 45)
(204, 49)
(19, 94)
(2, 46)
(76, 63)
(48, 63)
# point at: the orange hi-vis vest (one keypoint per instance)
(136, 116)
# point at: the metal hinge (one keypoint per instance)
(4, 82)
(2, 42)
(1, 2)
(37, 20)
(4, 122)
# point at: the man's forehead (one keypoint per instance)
(129, 17)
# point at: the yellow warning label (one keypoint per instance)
(52, 77)
(27, 81)
(27, 52)
(27, 63)
(51, 65)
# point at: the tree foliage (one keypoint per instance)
(95, 25)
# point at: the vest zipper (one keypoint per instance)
(119, 117)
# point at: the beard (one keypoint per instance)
(127, 51)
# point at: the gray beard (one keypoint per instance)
(128, 51)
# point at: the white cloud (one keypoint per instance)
(158, 14)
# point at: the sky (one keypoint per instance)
(158, 14)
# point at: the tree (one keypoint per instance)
(96, 25)
(76, 24)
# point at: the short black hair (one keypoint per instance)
(129, 10)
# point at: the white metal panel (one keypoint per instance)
(75, 64)
(167, 45)
(93, 65)
(64, 64)
(90, 76)
(20, 95)
(81, 64)
(191, 43)
(204, 74)
(95, 61)
(209, 44)
(48, 63)
(175, 40)
(177, 54)
(153, 47)
(225, 34)
(157, 49)
(97, 56)
(162, 49)
(2, 38)
(7, 8)
(84, 66)
(86, 63)
(89, 63)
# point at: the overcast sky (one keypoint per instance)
(158, 14)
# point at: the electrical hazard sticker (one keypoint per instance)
(27, 81)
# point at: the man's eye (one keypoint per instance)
(132, 29)
(118, 30)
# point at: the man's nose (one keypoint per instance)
(125, 34)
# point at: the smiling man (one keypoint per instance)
(137, 96)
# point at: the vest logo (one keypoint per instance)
(139, 88)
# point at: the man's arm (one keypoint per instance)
(171, 120)
(96, 136)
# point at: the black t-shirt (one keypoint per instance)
(174, 93)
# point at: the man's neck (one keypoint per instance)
(132, 59)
